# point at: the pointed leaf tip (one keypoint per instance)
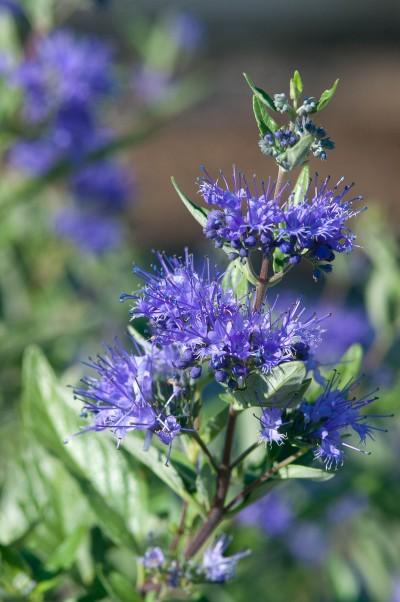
(327, 96)
(199, 214)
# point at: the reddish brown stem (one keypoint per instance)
(263, 277)
(265, 477)
(181, 528)
(216, 513)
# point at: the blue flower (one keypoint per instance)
(218, 568)
(273, 513)
(308, 543)
(63, 82)
(153, 558)
(270, 422)
(103, 183)
(192, 310)
(318, 224)
(151, 84)
(331, 418)
(123, 397)
(89, 231)
(245, 217)
(35, 156)
(63, 68)
(186, 30)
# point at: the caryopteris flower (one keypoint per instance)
(153, 558)
(218, 568)
(331, 419)
(63, 82)
(123, 397)
(248, 218)
(208, 324)
(245, 217)
(89, 231)
(274, 514)
(317, 226)
(62, 68)
(270, 423)
(104, 184)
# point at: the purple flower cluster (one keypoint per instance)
(251, 217)
(331, 418)
(273, 144)
(153, 558)
(245, 217)
(124, 395)
(63, 71)
(214, 566)
(63, 82)
(192, 310)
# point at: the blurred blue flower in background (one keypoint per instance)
(63, 82)
(186, 29)
(63, 68)
(89, 231)
(308, 543)
(217, 567)
(395, 597)
(273, 513)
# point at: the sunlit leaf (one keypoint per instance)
(327, 96)
(102, 473)
(282, 387)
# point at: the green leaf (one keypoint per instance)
(302, 184)
(156, 461)
(350, 364)
(297, 471)
(139, 338)
(213, 416)
(205, 485)
(279, 261)
(263, 119)
(65, 556)
(296, 88)
(297, 154)
(235, 279)
(102, 473)
(282, 387)
(346, 370)
(262, 127)
(327, 96)
(298, 81)
(261, 95)
(199, 214)
(118, 587)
